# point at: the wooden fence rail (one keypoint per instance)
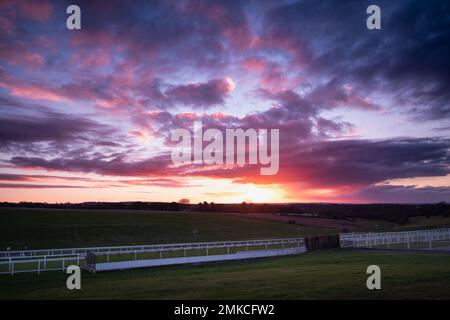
(388, 239)
(12, 262)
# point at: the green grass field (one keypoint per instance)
(426, 223)
(338, 274)
(49, 228)
(324, 275)
(43, 228)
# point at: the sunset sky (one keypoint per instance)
(86, 115)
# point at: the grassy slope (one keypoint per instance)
(426, 223)
(36, 228)
(43, 228)
(314, 275)
(325, 275)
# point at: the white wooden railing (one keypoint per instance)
(12, 262)
(370, 239)
(13, 266)
(145, 248)
(132, 264)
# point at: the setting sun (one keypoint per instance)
(256, 194)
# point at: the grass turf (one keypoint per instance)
(49, 228)
(336, 274)
(325, 275)
(433, 222)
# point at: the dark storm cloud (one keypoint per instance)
(407, 59)
(196, 95)
(37, 186)
(350, 163)
(404, 194)
(52, 128)
(35, 130)
(363, 162)
(167, 31)
(117, 166)
(37, 177)
(325, 41)
(347, 163)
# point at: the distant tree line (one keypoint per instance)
(398, 213)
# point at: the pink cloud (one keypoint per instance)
(20, 55)
(33, 92)
(36, 10)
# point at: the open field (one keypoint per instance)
(356, 225)
(434, 222)
(338, 274)
(338, 224)
(325, 275)
(51, 228)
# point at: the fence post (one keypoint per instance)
(45, 262)
(12, 268)
(78, 259)
(63, 260)
(39, 267)
(407, 241)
